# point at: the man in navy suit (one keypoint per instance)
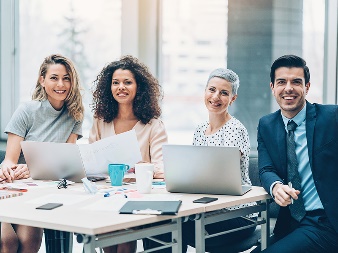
(316, 155)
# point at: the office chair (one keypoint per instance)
(2, 155)
(55, 241)
(254, 239)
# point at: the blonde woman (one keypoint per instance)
(55, 114)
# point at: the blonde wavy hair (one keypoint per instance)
(73, 100)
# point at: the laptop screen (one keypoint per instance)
(53, 161)
(202, 169)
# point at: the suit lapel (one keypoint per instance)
(310, 127)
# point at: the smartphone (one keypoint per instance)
(49, 206)
(96, 178)
(205, 200)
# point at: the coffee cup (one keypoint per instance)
(116, 173)
(144, 177)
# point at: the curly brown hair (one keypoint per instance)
(146, 104)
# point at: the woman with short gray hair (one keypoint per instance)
(222, 129)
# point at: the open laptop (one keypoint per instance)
(203, 169)
(53, 161)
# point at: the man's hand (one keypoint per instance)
(283, 194)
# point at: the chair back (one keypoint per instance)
(255, 180)
(2, 155)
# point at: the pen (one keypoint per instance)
(9, 188)
(107, 194)
(121, 194)
(159, 183)
(290, 185)
(146, 211)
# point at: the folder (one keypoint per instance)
(151, 207)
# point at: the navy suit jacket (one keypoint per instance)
(322, 142)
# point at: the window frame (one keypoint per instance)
(9, 61)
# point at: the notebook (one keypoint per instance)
(151, 207)
(203, 169)
(53, 161)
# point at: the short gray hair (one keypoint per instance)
(228, 75)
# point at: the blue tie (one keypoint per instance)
(297, 209)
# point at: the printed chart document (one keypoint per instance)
(120, 148)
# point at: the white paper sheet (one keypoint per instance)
(29, 184)
(111, 204)
(120, 148)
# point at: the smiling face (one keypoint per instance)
(218, 95)
(290, 90)
(57, 84)
(123, 86)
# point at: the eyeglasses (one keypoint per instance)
(62, 184)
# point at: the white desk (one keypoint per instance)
(257, 194)
(103, 228)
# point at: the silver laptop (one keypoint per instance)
(203, 169)
(53, 161)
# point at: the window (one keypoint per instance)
(241, 36)
(196, 29)
(88, 32)
(196, 36)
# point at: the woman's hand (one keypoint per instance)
(21, 171)
(131, 170)
(9, 166)
(7, 172)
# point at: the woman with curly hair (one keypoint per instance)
(127, 96)
(55, 114)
